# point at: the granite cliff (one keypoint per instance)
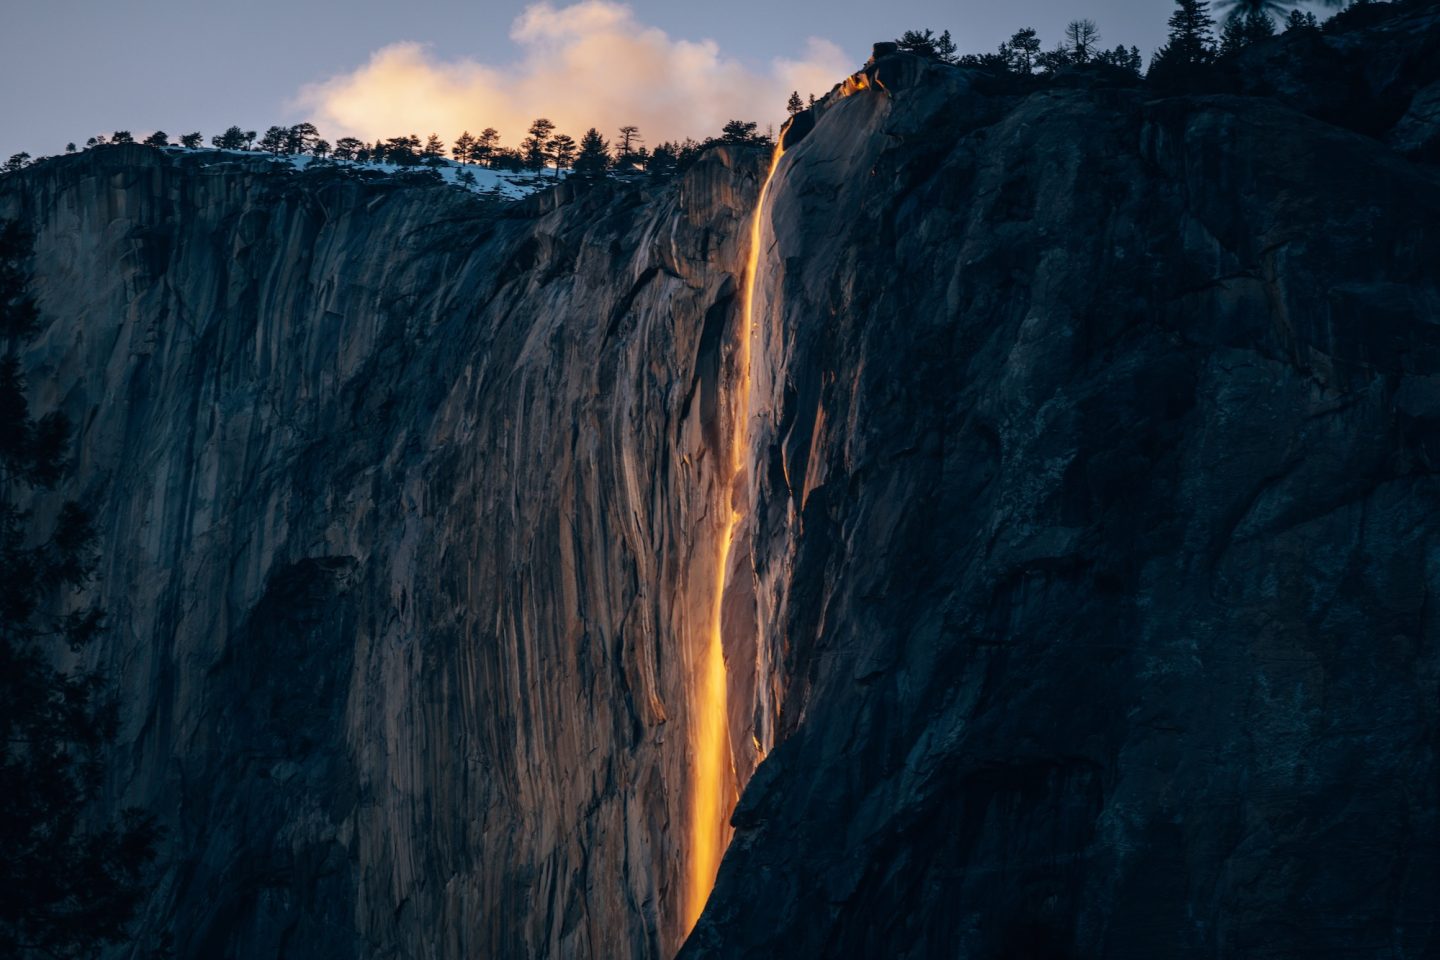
(1086, 533)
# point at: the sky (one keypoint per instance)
(70, 69)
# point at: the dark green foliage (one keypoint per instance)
(191, 141)
(1359, 13)
(69, 883)
(19, 318)
(401, 151)
(945, 47)
(532, 148)
(671, 158)
(1301, 21)
(919, 42)
(346, 148)
(506, 159)
(420, 175)
(434, 150)
(121, 136)
(595, 156)
(561, 148)
(1239, 32)
(157, 139)
(486, 143)
(1020, 51)
(17, 161)
(1122, 59)
(300, 138)
(275, 140)
(460, 150)
(663, 161)
(1053, 61)
(232, 139)
(1190, 47)
(794, 105)
(740, 131)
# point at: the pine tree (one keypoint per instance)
(301, 138)
(1190, 45)
(346, 148)
(121, 136)
(68, 884)
(1128, 60)
(401, 151)
(561, 148)
(485, 145)
(192, 141)
(918, 42)
(1051, 61)
(945, 47)
(739, 131)
(434, 150)
(70, 148)
(17, 161)
(1021, 51)
(593, 160)
(532, 148)
(794, 105)
(275, 140)
(1239, 32)
(462, 147)
(157, 139)
(663, 160)
(232, 139)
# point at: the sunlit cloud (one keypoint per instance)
(588, 64)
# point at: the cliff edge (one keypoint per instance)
(1081, 604)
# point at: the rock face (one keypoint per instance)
(402, 501)
(1082, 602)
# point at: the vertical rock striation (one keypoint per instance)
(409, 504)
(1081, 600)
(1097, 533)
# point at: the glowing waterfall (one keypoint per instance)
(714, 787)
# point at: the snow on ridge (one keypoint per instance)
(497, 184)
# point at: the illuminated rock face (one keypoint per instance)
(1080, 600)
(411, 523)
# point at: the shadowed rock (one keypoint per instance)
(1084, 595)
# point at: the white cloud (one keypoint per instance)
(588, 64)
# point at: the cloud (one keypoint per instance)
(588, 64)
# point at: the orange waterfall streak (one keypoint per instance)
(714, 787)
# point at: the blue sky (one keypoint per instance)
(73, 68)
